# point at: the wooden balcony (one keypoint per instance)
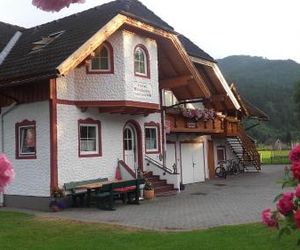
(177, 123)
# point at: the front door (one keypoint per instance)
(192, 162)
(130, 147)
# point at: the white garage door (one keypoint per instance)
(171, 155)
(192, 162)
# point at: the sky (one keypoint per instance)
(266, 28)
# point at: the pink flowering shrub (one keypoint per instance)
(7, 173)
(286, 217)
(268, 218)
(54, 5)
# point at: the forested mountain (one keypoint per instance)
(269, 85)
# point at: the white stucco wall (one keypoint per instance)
(122, 84)
(71, 167)
(32, 175)
(222, 143)
(140, 88)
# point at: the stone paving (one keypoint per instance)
(236, 200)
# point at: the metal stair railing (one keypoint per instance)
(160, 166)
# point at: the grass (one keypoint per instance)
(274, 156)
(22, 231)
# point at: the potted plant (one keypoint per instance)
(148, 190)
(56, 201)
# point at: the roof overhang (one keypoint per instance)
(221, 80)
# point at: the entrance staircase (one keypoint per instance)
(245, 150)
(161, 188)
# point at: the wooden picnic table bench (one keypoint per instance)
(77, 189)
(106, 194)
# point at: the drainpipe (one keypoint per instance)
(9, 109)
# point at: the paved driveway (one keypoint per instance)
(236, 200)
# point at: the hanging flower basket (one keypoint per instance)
(195, 115)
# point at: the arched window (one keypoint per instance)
(141, 61)
(102, 62)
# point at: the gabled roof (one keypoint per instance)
(78, 28)
(193, 50)
(6, 33)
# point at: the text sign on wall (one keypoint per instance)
(142, 90)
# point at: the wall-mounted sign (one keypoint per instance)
(191, 125)
(142, 90)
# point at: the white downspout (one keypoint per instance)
(8, 110)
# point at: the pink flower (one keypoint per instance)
(285, 205)
(267, 219)
(7, 173)
(294, 154)
(54, 5)
(297, 191)
(297, 218)
(296, 170)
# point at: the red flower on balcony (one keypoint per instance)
(198, 114)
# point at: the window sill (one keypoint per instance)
(22, 157)
(89, 155)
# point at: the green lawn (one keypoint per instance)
(274, 157)
(21, 231)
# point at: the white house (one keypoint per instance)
(83, 94)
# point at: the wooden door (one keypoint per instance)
(211, 159)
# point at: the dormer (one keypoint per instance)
(121, 71)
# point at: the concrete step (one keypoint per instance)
(167, 193)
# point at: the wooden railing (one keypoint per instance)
(249, 147)
(178, 123)
(231, 126)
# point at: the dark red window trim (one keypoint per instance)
(111, 60)
(25, 123)
(153, 125)
(92, 122)
(147, 75)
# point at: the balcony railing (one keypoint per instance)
(231, 126)
(177, 123)
(224, 126)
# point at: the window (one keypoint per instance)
(102, 62)
(170, 99)
(128, 139)
(152, 138)
(141, 61)
(26, 140)
(221, 153)
(89, 138)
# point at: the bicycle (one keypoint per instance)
(220, 170)
(227, 167)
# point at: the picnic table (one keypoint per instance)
(106, 190)
(92, 187)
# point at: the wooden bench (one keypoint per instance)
(105, 196)
(76, 193)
